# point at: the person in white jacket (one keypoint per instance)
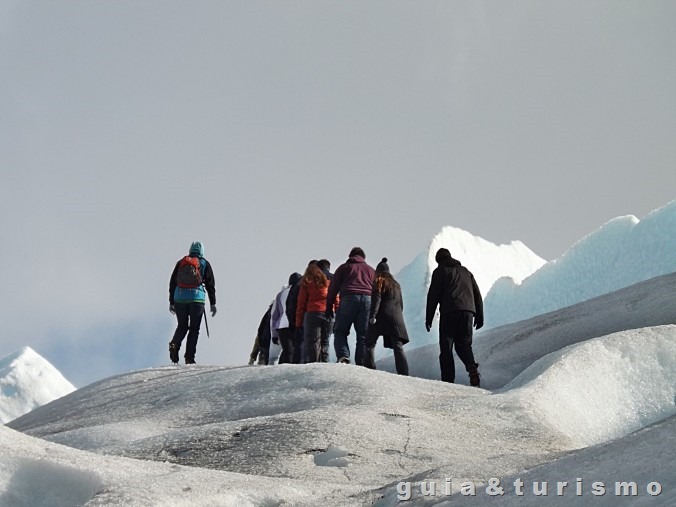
(279, 322)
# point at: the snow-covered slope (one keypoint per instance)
(344, 435)
(487, 261)
(27, 380)
(622, 252)
(633, 470)
(504, 352)
(36, 473)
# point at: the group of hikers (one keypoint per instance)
(313, 306)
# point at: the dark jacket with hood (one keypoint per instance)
(387, 308)
(353, 277)
(454, 289)
(292, 299)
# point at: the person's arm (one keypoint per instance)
(434, 296)
(265, 321)
(274, 316)
(210, 283)
(172, 284)
(292, 304)
(478, 305)
(301, 306)
(376, 297)
(334, 288)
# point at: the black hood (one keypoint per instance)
(444, 258)
(294, 278)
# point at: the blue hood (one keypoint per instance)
(197, 249)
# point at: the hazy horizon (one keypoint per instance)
(280, 132)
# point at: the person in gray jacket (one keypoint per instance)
(386, 319)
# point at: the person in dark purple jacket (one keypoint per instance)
(353, 280)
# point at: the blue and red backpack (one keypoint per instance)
(189, 274)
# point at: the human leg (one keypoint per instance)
(255, 350)
(264, 344)
(400, 357)
(341, 329)
(196, 311)
(327, 330)
(298, 346)
(286, 341)
(361, 323)
(463, 345)
(370, 349)
(182, 315)
(446, 361)
(312, 326)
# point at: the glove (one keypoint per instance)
(478, 323)
(275, 340)
(372, 320)
(428, 326)
(172, 309)
(328, 314)
(213, 310)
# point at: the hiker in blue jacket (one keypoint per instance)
(191, 281)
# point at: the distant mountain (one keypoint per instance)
(487, 261)
(27, 381)
(622, 252)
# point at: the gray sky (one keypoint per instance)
(277, 132)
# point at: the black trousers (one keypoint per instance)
(400, 361)
(314, 326)
(455, 329)
(264, 346)
(189, 316)
(298, 346)
(286, 336)
(326, 335)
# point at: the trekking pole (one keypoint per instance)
(206, 324)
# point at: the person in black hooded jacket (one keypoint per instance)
(457, 294)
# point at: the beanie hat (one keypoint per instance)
(442, 254)
(382, 266)
(197, 249)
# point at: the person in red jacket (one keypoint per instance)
(310, 311)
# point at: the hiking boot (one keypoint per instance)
(189, 360)
(474, 377)
(344, 360)
(173, 353)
